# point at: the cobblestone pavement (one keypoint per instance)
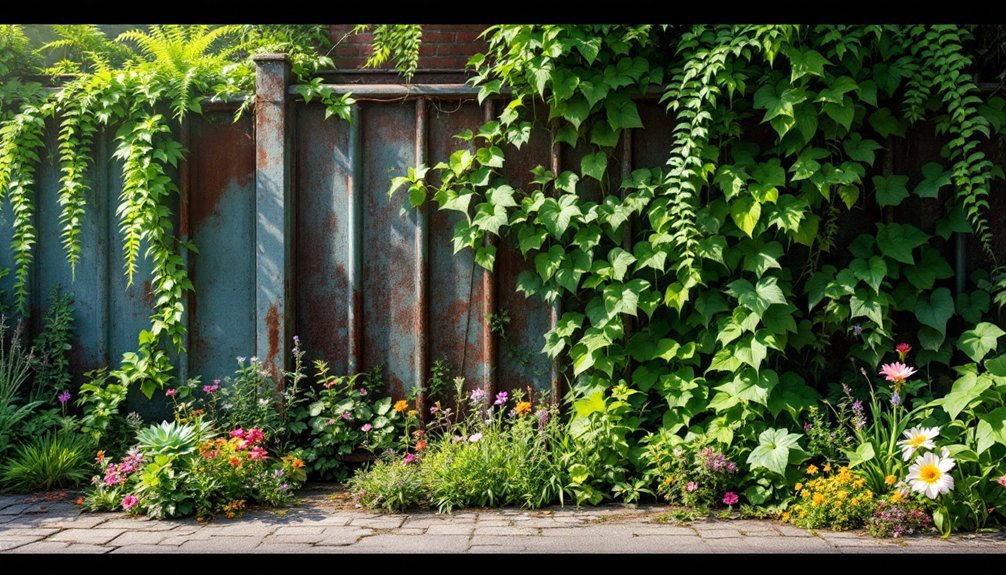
(324, 523)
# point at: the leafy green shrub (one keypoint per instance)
(696, 475)
(179, 469)
(55, 460)
(391, 485)
(52, 346)
(493, 457)
(15, 366)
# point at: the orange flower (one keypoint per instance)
(523, 408)
(101, 456)
(419, 433)
(401, 405)
(420, 445)
(80, 501)
(297, 463)
(235, 461)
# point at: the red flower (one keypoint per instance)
(234, 461)
(420, 445)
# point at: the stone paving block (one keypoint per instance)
(36, 532)
(504, 531)
(343, 535)
(85, 521)
(15, 509)
(450, 529)
(153, 549)
(323, 521)
(791, 531)
(85, 548)
(284, 548)
(662, 530)
(719, 533)
(92, 536)
(10, 543)
(388, 522)
(300, 530)
(42, 547)
(139, 538)
(775, 543)
(232, 544)
(494, 522)
(293, 538)
(494, 549)
(141, 524)
(389, 543)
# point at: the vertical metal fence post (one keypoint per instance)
(489, 298)
(274, 214)
(422, 367)
(555, 309)
(354, 186)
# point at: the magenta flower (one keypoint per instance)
(212, 388)
(434, 409)
(170, 392)
(363, 392)
(129, 502)
(691, 486)
(896, 372)
(64, 397)
(477, 395)
(254, 435)
(239, 433)
(257, 453)
(902, 349)
(501, 398)
(409, 458)
(346, 415)
(730, 498)
(366, 427)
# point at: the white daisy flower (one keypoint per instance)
(917, 438)
(930, 474)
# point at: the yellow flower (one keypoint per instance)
(798, 487)
(401, 405)
(785, 517)
(412, 412)
(896, 497)
(818, 499)
(811, 469)
(523, 408)
(890, 480)
(827, 468)
(859, 482)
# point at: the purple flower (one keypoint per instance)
(366, 427)
(409, 458)
(501, 398)
(730, 498)
(278, 473)
(363, 392)
(543, 417)
(296, 341)
(64, 397)
(691, 486)
(284, 487)
(731, 467)
(895, 399)
(477, 395)
(857, 329)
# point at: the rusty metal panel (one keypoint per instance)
(389, 246)
(456, 293)
(322, 190)
(221, 218)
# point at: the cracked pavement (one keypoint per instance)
(324, 523)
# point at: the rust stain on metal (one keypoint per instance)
(148, 293)
(272, 325)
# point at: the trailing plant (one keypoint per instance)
(396, 42)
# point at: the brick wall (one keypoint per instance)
(444, 46)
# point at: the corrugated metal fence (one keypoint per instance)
(297, 235)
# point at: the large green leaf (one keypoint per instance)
(745, 212)
(978, 342)
(937, 310)
(774, 451)
(897, 241)
(891, 190)
(759, 297)
(593, 165)
(872, 272)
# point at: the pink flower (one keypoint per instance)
(254, 435)
(129, 502)
(902, 349)
(257, 453)
(691, 486)
(346, 415)
(1002, 480)
(239, 433)
(212, 388)
(896, 372)
(363, 392)
(366, 427)
(170, 392)
(730, 498)
(113, 478)
(409, 458)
